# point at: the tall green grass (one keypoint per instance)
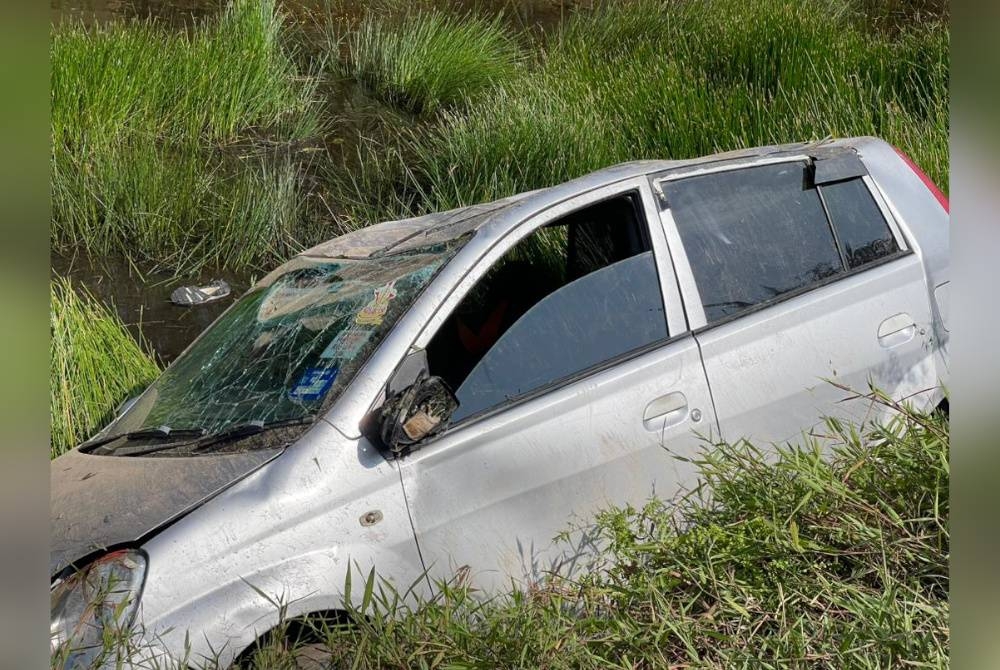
(178, 207)
(832, 554)
(426, 59)
(226, 78)
(157, 138)
(95, 364)
(657, 79)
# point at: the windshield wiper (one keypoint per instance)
(235, 432)
(241, 430)
(202, 440)
(157, 434)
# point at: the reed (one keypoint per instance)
(658, 79)
(164, 142)
(95, 364)
(428, 59)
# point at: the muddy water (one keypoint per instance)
(143, 301)
(175, 12)
(141, 298)
(524, 13)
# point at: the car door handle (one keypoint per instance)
(896, 330)
(666, 410)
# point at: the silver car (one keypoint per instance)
(447, 393)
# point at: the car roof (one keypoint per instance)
(396, 236)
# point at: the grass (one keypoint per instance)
(225, 78)
(428, 59)
(160, 136)
(831, 554)
(657, 79)
(177, 207)
(163, 140)
(95, 364)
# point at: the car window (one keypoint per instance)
(572, 295)
(604, 314)
(752, 234)
(863, 232)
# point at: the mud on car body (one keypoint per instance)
(447, 392)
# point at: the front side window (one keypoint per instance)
(285, 350)
(573, 295)
(752, 234)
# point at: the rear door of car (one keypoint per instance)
(566, 413)
(797, 281)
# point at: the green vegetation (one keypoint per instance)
(428, 59)
(675, 80)
(829, 555)
(159, 139)
(227, 77)
(177, 207)
(95, 364)
(182, 149)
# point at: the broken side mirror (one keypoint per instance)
(415, 413)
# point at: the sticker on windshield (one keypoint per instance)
(347, 344)
(373, 313)
(314, 384)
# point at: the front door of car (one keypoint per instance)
(797, 282)
(574, 370)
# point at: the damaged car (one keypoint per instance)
(446, 393)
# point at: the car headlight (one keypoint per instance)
(93, 609)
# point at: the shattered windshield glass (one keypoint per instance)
(285, 350)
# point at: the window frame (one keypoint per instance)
(670, 293)
(685, 276)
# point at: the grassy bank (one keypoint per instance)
(803, 560)
(674, 80)
(169, 146)
(95, 364)
(424, 60)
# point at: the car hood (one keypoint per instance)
(102, 501)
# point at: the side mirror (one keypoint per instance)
(415, 413)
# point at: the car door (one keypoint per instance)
(797, 280)
(569, 408)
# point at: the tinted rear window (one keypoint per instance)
(863, 231)
(752, 234)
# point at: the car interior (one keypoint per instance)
(551, 257)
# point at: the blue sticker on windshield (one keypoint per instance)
(314, 384)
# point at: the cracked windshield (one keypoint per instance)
(285, 350)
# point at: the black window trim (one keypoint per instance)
(904, 249)
(833, 229)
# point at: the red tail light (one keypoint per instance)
(931, 186)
